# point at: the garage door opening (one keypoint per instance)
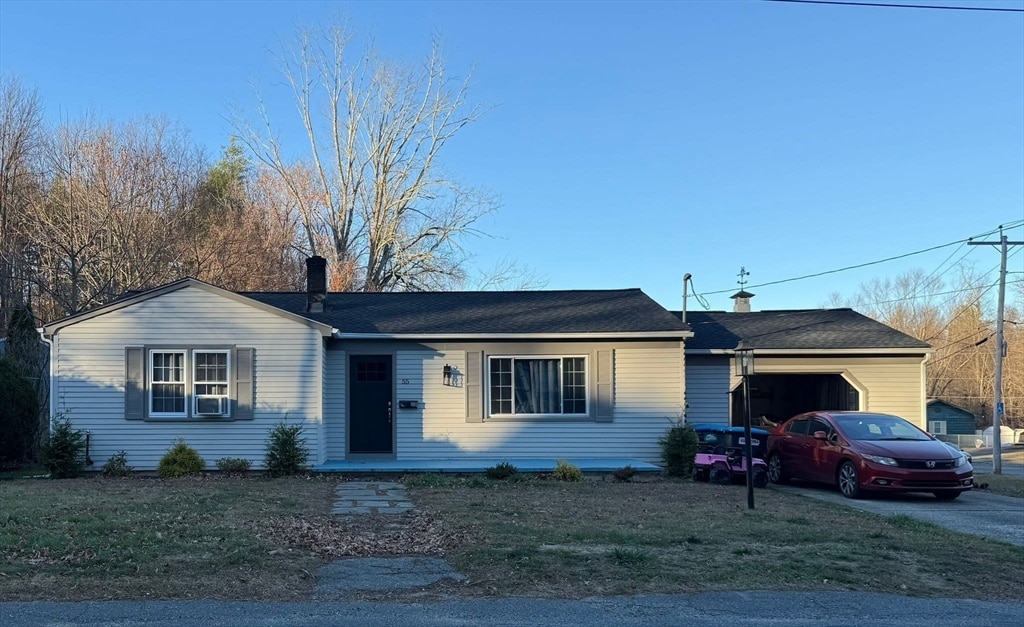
(777, 397)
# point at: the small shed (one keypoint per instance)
(945, 418)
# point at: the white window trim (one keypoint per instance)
(561, 374)
(194, 382)
(189, 383)
(940, 431)
(149, 381)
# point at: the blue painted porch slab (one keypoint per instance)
(586, 464)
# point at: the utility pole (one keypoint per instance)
(997, 405)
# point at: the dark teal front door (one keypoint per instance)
(370, 413)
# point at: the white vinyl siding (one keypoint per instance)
(335, 386)
(647, 397)
(707, 389)
(90, 367)
(891, 385)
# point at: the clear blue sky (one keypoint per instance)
(631, 142)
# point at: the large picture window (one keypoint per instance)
(538, 386)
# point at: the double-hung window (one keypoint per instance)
(167, 383)
(189, 383)
(538, 386)
(210, 383)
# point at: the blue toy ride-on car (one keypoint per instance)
(720, 455)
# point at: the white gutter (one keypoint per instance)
(52, 360)
(815, 351)
(674, 335)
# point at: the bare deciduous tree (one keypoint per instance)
(959, 322)
(113, 211)
(20, 132)
(371, 193)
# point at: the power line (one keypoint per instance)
(870, 263)
(887, 5)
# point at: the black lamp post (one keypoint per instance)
(745, 367)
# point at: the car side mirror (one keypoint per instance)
(820, 435)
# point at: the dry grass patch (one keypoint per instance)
(1006, 485)
(155, 539)
(544, 538)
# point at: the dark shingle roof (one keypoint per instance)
(794, 329)
(436, 313)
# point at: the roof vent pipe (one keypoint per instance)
(316, 284)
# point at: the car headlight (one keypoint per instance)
(960, 461)
(885, 461)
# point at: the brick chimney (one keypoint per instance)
(741, 301)
(316, 284)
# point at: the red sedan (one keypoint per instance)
(864, 452)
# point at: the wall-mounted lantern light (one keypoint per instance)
(447, 374)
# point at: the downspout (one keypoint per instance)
(51, 343)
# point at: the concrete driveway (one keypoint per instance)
(976, 512)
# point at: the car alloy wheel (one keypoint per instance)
(775, 472)
(849, 481)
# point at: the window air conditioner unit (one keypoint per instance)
(211, 405)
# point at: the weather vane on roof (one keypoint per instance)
(743, 277)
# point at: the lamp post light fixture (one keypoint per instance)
(745, 368)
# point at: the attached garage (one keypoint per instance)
(804, 360)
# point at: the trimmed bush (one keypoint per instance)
(504, 470)
(62, 451)
(678, 448)
(624, 474)
(117, 466)
(19, 415)
(233, 465)
(564, 471)
(181, 460)
(286, 450)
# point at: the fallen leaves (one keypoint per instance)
(365, 536)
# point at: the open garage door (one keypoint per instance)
(778, 397)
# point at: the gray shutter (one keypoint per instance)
(605, 369)
(134, 383)
(243, 388)
(474, 390)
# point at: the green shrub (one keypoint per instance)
(286, 450)
(504, 470)
(678, 448)
(181, 460)
(564, 471)
(19, 414)
(233, 465)
(624, 474)
(117, 466)
(62, 450)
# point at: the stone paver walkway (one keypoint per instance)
(371, 497)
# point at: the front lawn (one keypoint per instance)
(263, 539)
(545, 538)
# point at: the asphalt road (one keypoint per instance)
(710, 609)
(976, 512)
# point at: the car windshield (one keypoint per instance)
(872, 427)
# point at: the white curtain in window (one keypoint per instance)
(538, 386)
